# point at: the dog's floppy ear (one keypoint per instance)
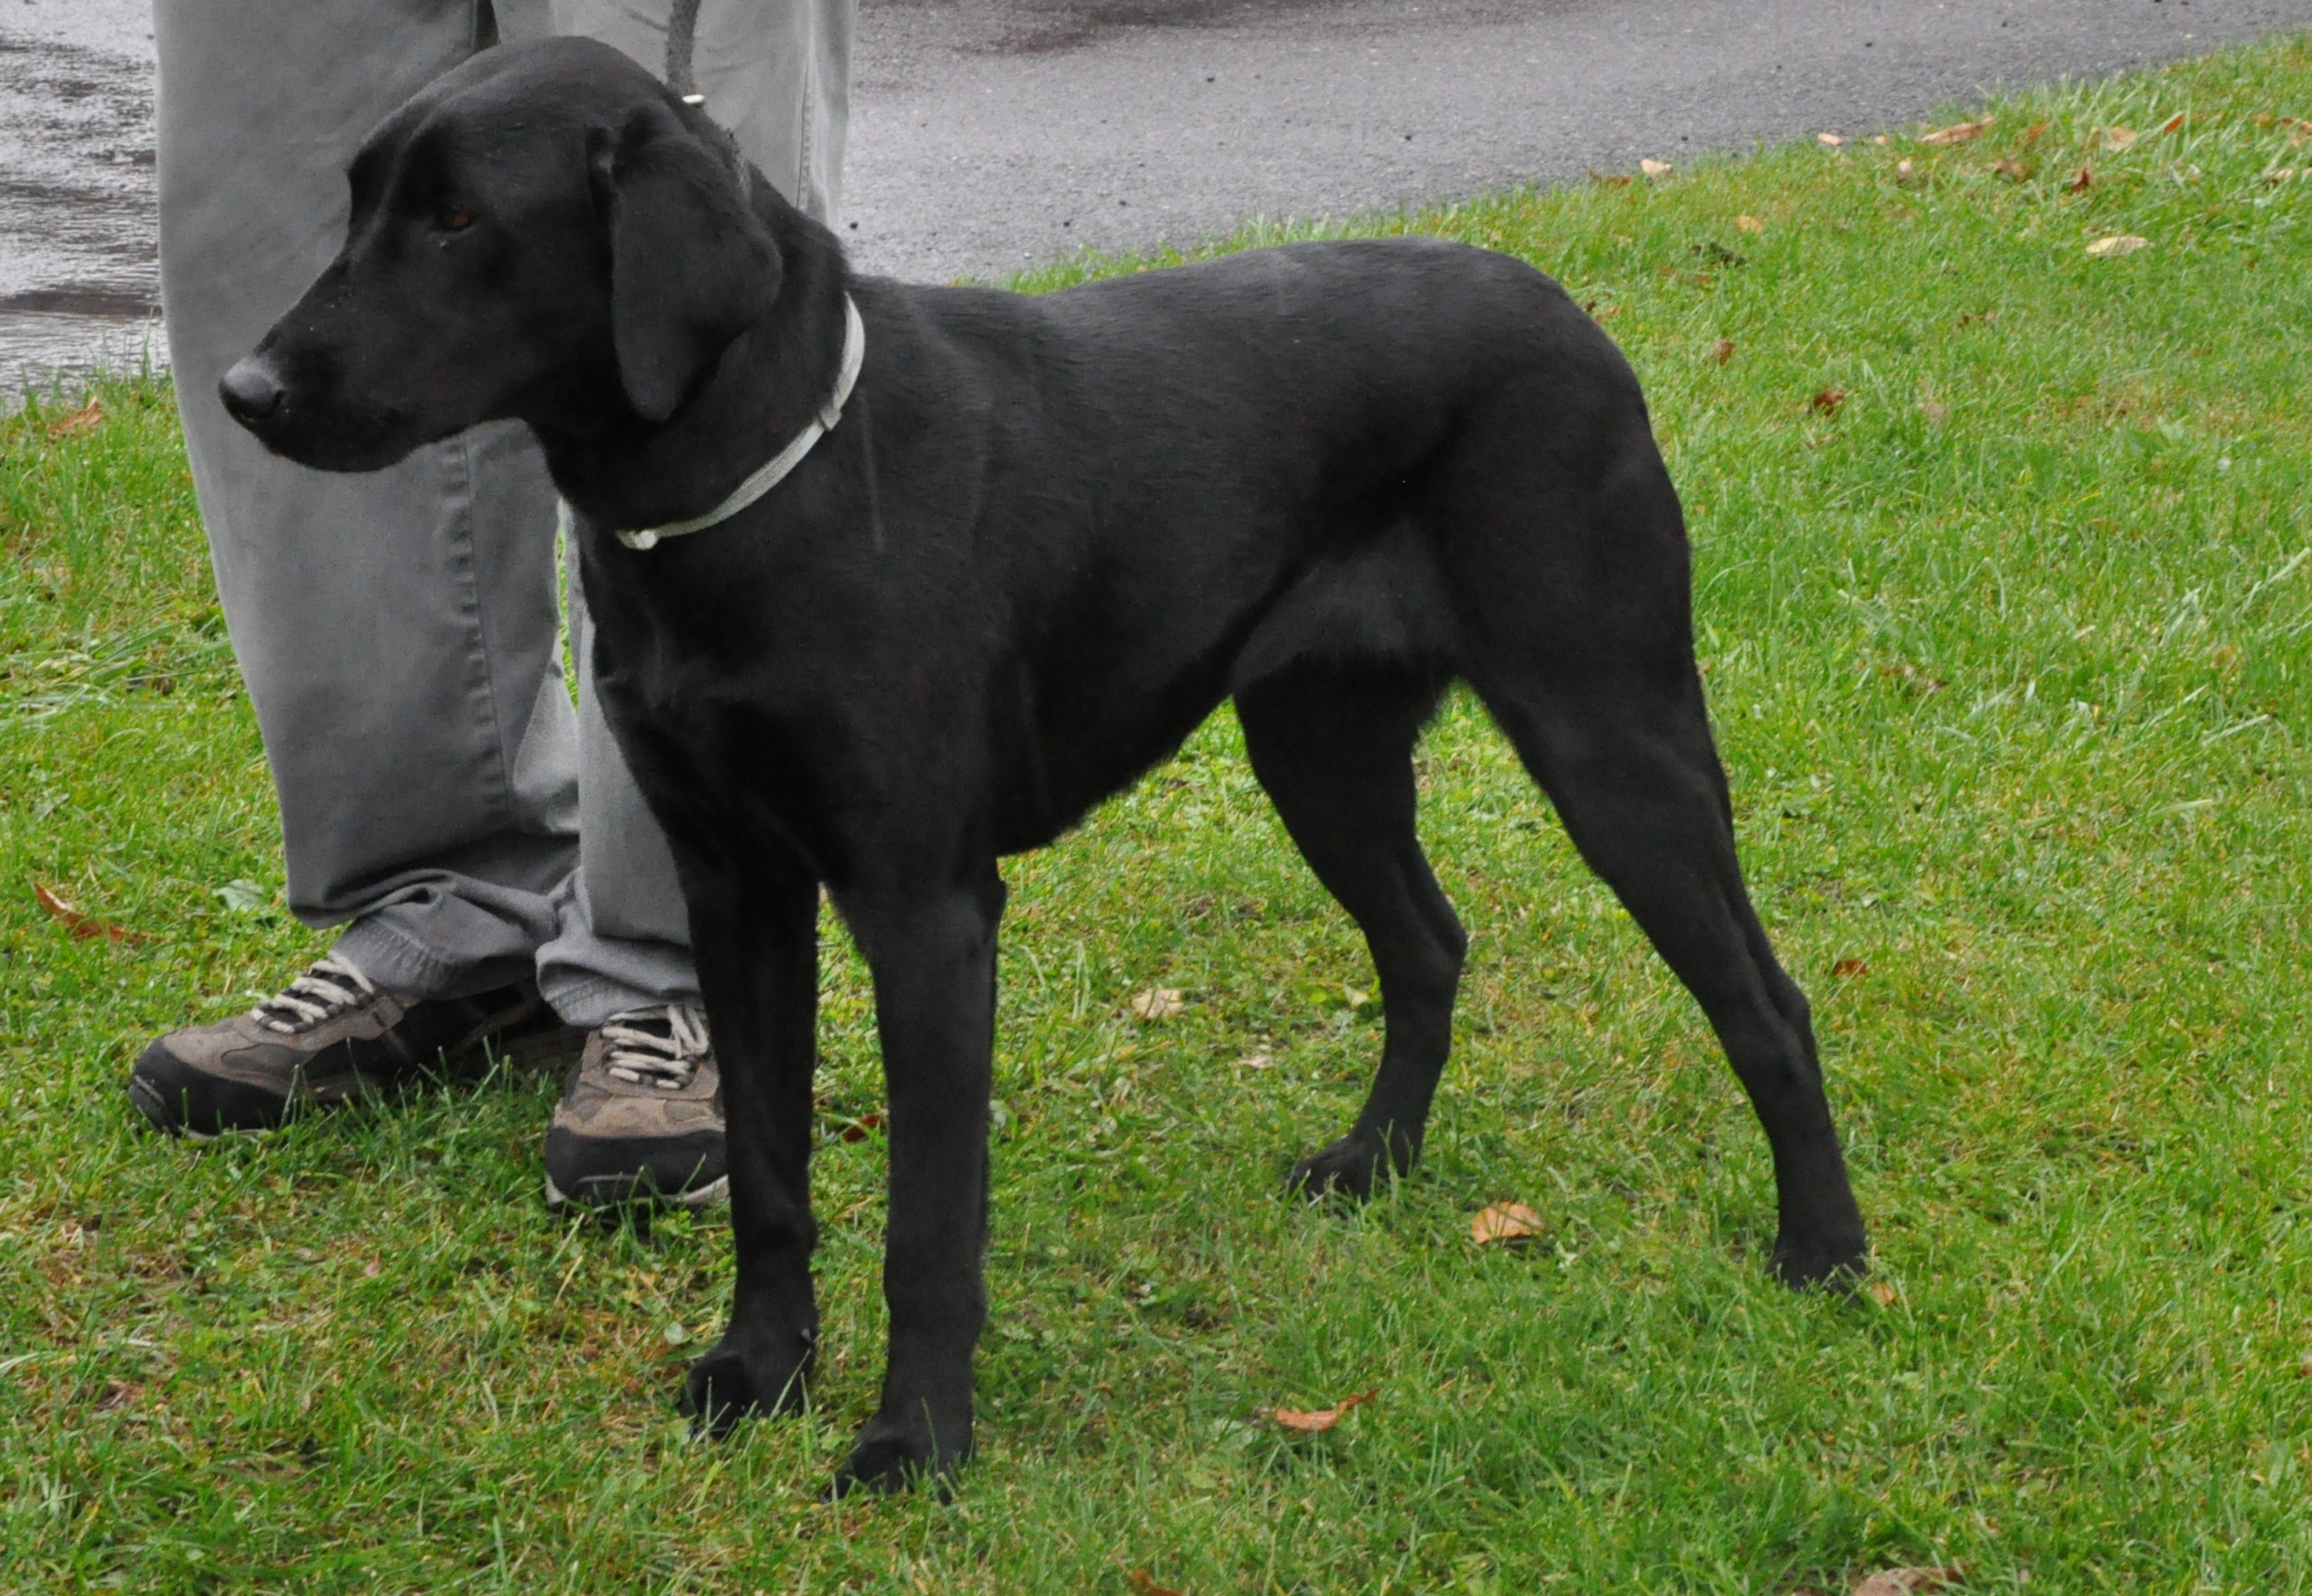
(691, 265)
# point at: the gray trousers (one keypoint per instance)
(399, 632)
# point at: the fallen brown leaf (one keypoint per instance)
(1937, 412)
(1157, 1003)
(1958, 132)
(1504, 1222)
(1851, 966)
(2014, 171)
(2174, 122)
(85, 927)
(2031, 133)
(2084, 181)
(1723, 351)
(1827, 401)
(118, 1394)
(1880, 1292)
(86, 419)
(1748, 223)
(2112, 138)
(1144, 1583)
(1912, 678)
(861, 1128)
(2118, 243)
(1311, 1421)
(1906, 1582)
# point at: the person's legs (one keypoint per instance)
(642, 1112)
(624, 941)
(777, 73)
(397, 630)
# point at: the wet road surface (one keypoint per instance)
(996, 134)
(992, 134)
(78, 271)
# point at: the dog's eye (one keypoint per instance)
(453, 218)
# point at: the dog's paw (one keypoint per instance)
(1351, 1168)
(1833, 1263)
(731, 1381)
(889, 1458)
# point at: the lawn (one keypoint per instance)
(2004, 577)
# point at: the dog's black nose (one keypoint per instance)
(250, 391)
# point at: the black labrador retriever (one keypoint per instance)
(1049, 535)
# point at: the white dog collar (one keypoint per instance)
(773, 471)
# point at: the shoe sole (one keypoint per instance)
(715, 1191)
(155, 1107)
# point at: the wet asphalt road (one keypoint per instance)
(992, 134)
(77, 268)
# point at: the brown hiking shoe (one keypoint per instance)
(640, 1116)
(328, 1036)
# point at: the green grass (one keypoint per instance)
(2009, 657)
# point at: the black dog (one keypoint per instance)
(1049, 536)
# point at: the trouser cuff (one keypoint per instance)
(401, 964)
(588, 1001)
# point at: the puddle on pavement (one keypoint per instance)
(78, 270)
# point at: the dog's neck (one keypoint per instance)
(622, 471)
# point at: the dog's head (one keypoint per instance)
(540, 232)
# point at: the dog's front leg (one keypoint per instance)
(755, 935)
(933, 956)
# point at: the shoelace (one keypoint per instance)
(327, 989)
(661, 1047)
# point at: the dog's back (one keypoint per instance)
(1173, 484)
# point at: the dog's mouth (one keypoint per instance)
(303, 415)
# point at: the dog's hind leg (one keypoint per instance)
(1626, 755)
(756, 939)
(1334, 748)
(1562, 543)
